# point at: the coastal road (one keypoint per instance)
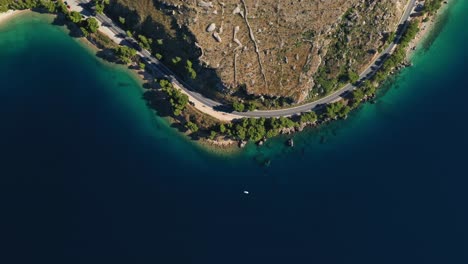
(119, 36)
(155, 65)
(204, 103)
(335, 96)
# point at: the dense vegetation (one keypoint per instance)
(87, 26)
(51, 6)
(177, 99)
(125, 54)
(238, 107)
(368, 88)
(431, 6)
(255, 129)
(399, 55)
(250, 129)
(152, 37)
(99, 5)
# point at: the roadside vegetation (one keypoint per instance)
(177, 99)
(154, 38)
(431, 6)
(51, 6)
(247, 129)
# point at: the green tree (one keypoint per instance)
(74, 17)
(122, 20)
(238, 106)
(357, 97)
(222, 128)
(191, 126)
(338, 109)
(125, 54)
(99, 7)
(92, 24)
(164, 83)
(309, 117)
(62, 7)
(176, 60)
(431, 6)
(145, 42)
(353, 77)
(213, 135)
(272, 133)
(240, 132)
(391, 37)
(190, 70)
(177, 99)
(368, 88)
(84, 32)
(49, 5)
(251, 106)
(129, 34)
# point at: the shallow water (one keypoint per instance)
(91, 176)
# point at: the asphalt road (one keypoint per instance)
(153, 64)
(347, 88)
(160, 69)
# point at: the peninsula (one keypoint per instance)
(239, 71)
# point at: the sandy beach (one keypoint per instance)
(425, 29)
(8, 15)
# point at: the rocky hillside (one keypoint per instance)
(295, 49)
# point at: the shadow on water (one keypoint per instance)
(73, 30)
(157, 100)
(179, 42)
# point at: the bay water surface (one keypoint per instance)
(88, 174)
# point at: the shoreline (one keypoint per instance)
(107, 30)
(218, 147)
(425, 30)
(231, 146)
(6, 16)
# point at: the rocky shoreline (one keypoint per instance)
(231, 140)
(426, 24)
(230, 144)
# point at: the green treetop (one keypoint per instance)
(75, 17)
(92, 24)
(125, 54)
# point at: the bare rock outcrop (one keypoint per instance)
(277, 48)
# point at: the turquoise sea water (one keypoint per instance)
(89, 175)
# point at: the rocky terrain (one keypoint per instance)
(294, 49)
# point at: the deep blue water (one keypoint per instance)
(89, 175)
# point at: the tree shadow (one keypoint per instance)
(176, 41)
(224, 108)
(158, 101)
(40, 10)
(108, 55)
(73, 30)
